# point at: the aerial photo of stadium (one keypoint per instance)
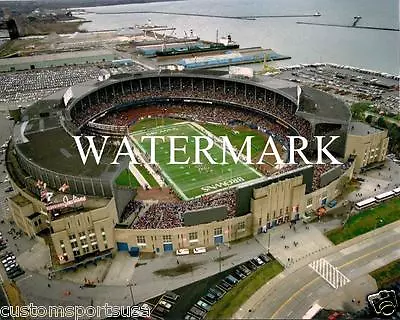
(199, 160)
(127, 204)
(86, 213)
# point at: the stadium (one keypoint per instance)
(88, 211)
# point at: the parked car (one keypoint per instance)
(165, 304)
(239, 274)
(189, 316)
(199, 250)
(332, 204)
(231, 280)
(159, 310)
(264, 258)
(8, 258)
(5, 255)
(204, 305)
(251, 265)
(171, 296)
(200, 313)
(210, 298)
(258, 261)
(217, 292)
(244, 269)
(224, 286)
(16, 273)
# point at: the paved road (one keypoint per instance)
(292, 294)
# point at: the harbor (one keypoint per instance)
(163, 49)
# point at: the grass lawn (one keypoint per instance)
(190, 180)
(387, 274)
(366, 221)
(149, 123)
(13, 294)
(232, 301)
(126, 178)
(149, 178)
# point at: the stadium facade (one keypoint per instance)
(89, 223)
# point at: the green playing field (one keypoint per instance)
(190, 180)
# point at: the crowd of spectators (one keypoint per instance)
(280, 109)
(195, 112)
(133, 207)
(319, 170)
(164, 215)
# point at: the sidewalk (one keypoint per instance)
(308, 238)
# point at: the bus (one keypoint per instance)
(384, 196)
(365, 203)
(313, 311)
(397, 191)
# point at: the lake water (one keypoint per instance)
(371, 49)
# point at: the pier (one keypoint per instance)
(216, 16)
(354, 26)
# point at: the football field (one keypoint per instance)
(189, 180)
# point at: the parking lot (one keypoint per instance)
(12, 241)
(349, 83)
(194, 301)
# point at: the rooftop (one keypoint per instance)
(323, 104)
(55, 150)
(56, 56)
(34, 215)
(362, 129)
(20, 200)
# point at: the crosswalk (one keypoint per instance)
(329, 273)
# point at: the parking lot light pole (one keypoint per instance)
(269, 241)
(130, 285)
(219, 258)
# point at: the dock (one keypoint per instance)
(227, 58)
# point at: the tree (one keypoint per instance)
(358, 109)
(381, 122)
(394, 138)
(369, 118)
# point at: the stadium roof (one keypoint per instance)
(322, 104)
(362, 129)
(55, 150)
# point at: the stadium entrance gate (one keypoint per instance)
(122, 246)
(168, 247)
(218, 239)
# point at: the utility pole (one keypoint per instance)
(219, 258)
(269, 241)
(220, 262)
(130, 285)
